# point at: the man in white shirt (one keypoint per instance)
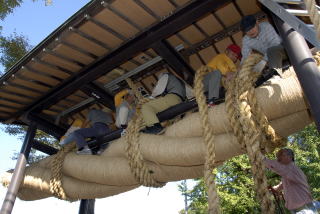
(262, 37)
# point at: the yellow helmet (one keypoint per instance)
(119, 97)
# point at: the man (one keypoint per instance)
(99, 121)
(168, 92)
(223, 65)
(293, 183)
(262, 37)
(125, 109)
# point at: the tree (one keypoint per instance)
(12, 48)
(7, 6)
(235, 184)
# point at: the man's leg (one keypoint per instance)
(80, 135)
(151, 108)
(212, 83)
(275, 56)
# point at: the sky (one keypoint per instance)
(37, 21)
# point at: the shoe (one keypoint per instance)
(215, 101)
(155, 129)
(85, 151)
(277, 71)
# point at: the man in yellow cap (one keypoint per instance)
(125, 107)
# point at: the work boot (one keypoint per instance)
(85, 151)
(155, 129)
(215, 101)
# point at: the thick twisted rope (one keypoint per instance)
(256, 133)
(136, 162)
(314, 15)
(209, 176)
(56, 172)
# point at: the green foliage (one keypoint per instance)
(12, 48)
(7, 7)
(235, 184)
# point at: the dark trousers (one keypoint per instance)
(80, 135)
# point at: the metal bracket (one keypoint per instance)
(307, 32)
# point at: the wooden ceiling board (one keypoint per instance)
(27, 74)
(22, 91)
(61, 63)
(223, 44)
(238, 38)
(30, 85)
(81, 94)
(74, 54)
(128, 66)
(14, 97)
(174, 41)
(86, 44)
(8, 103)
(134, 12)
(207, 54)
(192, 34)
(116, 23)
(181, 2)
(248, 7)
(48, 112)
(226, 18)
(48, 70)
(161, 8)
(100, 34)
(74, 98)
(142, 58)
(9, 110)
(195, 62)
(210, 25)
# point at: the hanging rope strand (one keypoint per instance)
(213, 199)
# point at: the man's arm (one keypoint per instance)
(246, 50)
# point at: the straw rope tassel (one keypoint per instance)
(209, 176)
(136, 162)
(244, 113)
(56, 172)
(314, 15)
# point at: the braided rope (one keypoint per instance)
(136, 162)
(314, 15)
(213, 199)
(256, 133)
(56, 172)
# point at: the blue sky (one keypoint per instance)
(37, 21)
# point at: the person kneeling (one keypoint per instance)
(100, 122)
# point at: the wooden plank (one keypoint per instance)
(61, 63)
(134, 13)
(192, 35)
(223, 44)
(22, 91)
(161, 8)
(116, 23)
(207, 54)
(100, 34)
(76, 55)
(14, 97)
(174, 41)
(210, 25)
(86, 44)
(27, 74)
(248, 7)
(195, 62)
(226, 18)
(48, 70)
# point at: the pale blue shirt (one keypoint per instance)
(266, 38)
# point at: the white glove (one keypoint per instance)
(260, 66)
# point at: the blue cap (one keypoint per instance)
(247, 23)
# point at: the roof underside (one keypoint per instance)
(79, 65)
